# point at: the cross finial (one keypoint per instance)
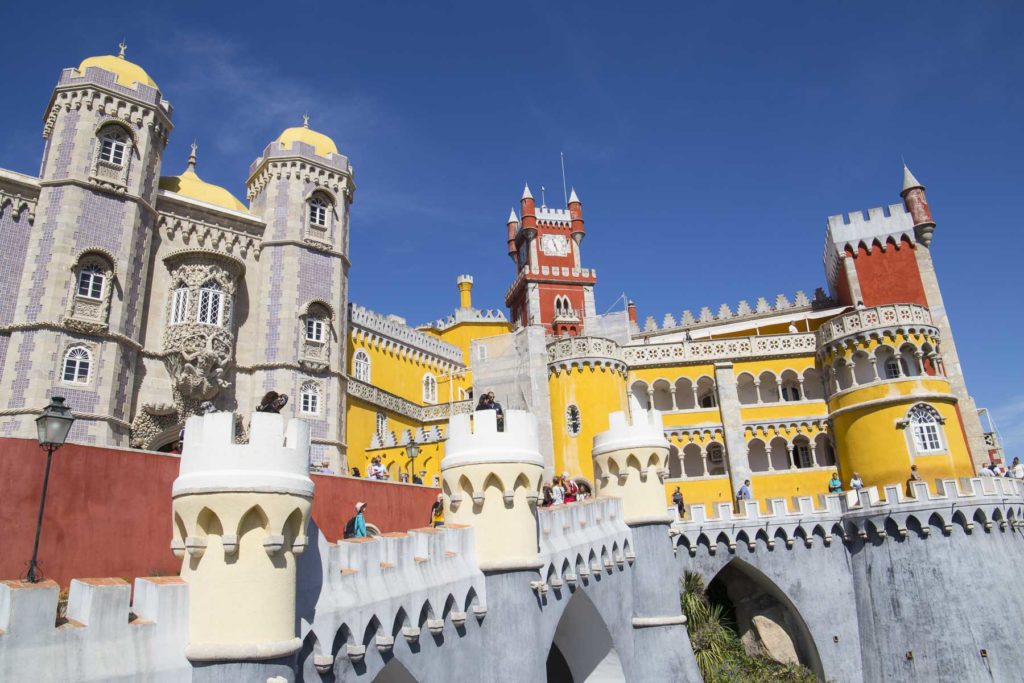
(122, 46)
(192, 156)
(305, 120)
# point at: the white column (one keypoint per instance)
(672, 393)
(789, 454)
(757, 390)
(874, 366)
(814, 453)
(704, 460)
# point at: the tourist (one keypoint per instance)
(437, 512)
(744, 493)
(914, 476)
(496, 407)
(792, 328)
(1017, 469)
(571, 490)
(547, 499)
(377, 470)
(677, 500)
(356, 526)
(557, 492)
(418, 478)
(988, 470)
(355, 472)
(835, 484)
(404, 477)
(856, 483)
(272, 402)
(585, 491)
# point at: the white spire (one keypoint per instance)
(573, 197)
(512, 216)
(526, 192)
(909, 181)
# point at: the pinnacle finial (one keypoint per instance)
(526, 191)
(573, 197)
(122, 47)
(512, 216)
(909, 181)
(305, 120)
(192, 156)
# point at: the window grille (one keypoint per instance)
(179, 306)
(211, 304)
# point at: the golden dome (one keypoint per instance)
(322, 144)
(126, 72)
(190, 185)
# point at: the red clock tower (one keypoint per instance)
(551, 286)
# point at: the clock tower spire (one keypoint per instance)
(551, 287)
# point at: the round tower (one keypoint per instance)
(889, 399)
(465, 283)
(240, 514)
(630, 459)
(513, 228)
(491, 479)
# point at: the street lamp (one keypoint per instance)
(53, 427)
(412, 450)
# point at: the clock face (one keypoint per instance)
(554, 245)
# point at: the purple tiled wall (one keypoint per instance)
(14, 234)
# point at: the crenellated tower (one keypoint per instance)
(302, 187)
(551, 288)
(630, 461)
(240, 514)
(81, 283)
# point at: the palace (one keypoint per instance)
(142, 296)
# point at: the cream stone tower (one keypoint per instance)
(630, 459)
(491, 481)
(240, 514)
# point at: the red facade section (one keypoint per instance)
(108, 511)
(890, 276)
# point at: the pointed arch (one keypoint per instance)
(394, 672)
(583, 647)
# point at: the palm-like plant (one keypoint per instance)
(710, 636)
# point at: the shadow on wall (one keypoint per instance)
(582, 647)
(768, 623)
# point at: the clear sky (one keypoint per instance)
(707, 141)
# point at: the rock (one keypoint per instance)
(774, 640)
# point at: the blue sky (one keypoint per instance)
(707, 141)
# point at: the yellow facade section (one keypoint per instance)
(889, 389)
(692, 417)
(782, 410)
(400, 375)
(596, 391)
(704, 491)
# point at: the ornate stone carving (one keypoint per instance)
(397, 404)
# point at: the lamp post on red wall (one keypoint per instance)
(53, 427)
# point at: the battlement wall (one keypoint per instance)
(583, 539)
(475, 438)
(986, 503)
(853, 230)
(643, 429)
(102, 638)
(410, 585)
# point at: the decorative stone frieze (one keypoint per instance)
(177, 226)
(876, 319)
(18, 194)
(736, 348)
(567, 353)
(381, 329)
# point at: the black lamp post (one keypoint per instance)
(53, 427)
(412, 450)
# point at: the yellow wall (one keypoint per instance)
(399, 375)
(597, 392)
(702, 491)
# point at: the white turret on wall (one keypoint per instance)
(491, 482)
(240, 514)
(630, 459)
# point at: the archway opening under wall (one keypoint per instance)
(766, 619)
(582, 649)
(394, 672)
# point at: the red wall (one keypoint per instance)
(890, 276)
(108, 511)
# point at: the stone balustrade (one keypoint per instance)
(877, 317)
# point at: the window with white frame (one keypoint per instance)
(361, 366)
(309, 398)
(77, 363)
(429, 389)
(892, 368)
(318, 210)
(925, 428)
(573, 420)
(211, 304)
(179, 306)
(113, 146)
(382, 424)
(90, 281)
(314, 328)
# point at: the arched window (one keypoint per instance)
(318, 211)
(309, 398)
(315, 328)
(90, 281)
(926, 428)
(573, 420)
(211, 304)
(790, 386)
(429, 389)
(802, 453)
(77, 362)
(361, 367)
(382, 424)
(706, 393)
(179, 305)
(113, 146)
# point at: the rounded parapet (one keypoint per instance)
(630, 460)
(275, 460)
(475, 439)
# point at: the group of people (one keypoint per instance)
(835, 484)
(487, 402)
(564, 489)
(1014, 471)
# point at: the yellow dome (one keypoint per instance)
(322, 144)
(127, 73)
(190, 185)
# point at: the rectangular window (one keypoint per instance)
(209, 307)
(179, 307)
(112, 151)
(314, 329)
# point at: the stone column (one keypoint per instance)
(240, 514)
(732, 426)
(628, 460)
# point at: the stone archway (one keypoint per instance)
(582, 649)
(767, 620)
